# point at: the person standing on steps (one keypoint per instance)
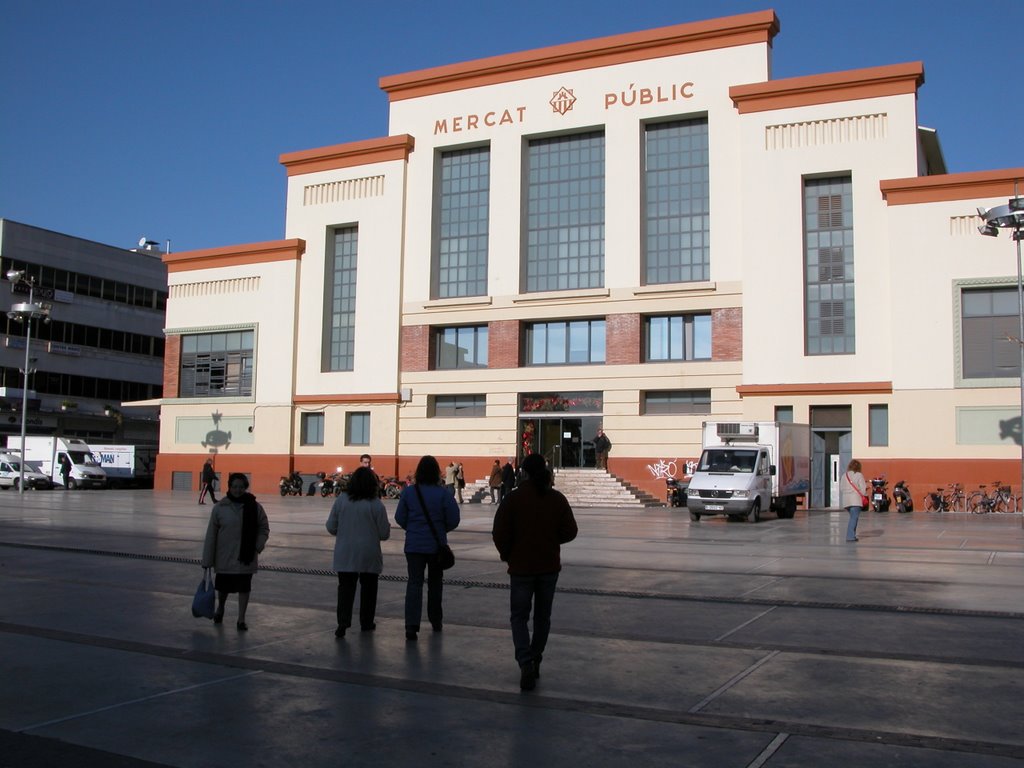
(530, 526)
(602, 445)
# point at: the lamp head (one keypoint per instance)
(14, 275)
(1016, 204)
(988, 230)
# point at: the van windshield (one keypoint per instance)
(728, 460)
(81, 457)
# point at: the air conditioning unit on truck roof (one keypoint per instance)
(732, 430)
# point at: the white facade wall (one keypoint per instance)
(909, 260)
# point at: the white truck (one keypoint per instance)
(126, 465)
(47, 451)
(749, 467)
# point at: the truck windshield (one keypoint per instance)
(728, 460)
(81, 457)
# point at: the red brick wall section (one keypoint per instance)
(415, 348)
(623, 345)
(503, 344)
(172, 365)
(727, 334)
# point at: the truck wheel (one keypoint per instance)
(695, 516)
(789, 508)
(755, 512)
(73, 484)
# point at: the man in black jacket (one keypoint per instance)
(530, 526)
(602, 445)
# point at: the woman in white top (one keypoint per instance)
(359, 522)
(853, 490)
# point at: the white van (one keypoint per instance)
(10, 474)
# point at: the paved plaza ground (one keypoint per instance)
(674, 643)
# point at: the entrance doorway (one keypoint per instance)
(563, 441)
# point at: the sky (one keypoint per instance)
(122, 119)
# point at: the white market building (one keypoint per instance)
(643, 232)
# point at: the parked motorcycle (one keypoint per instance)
(901, 496)
(391, 487)
(291, 485)
(333, 485)
(879, 494)
(675, 492)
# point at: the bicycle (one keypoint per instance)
(953, 501)
(1000, 500)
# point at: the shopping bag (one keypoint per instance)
(204, 604)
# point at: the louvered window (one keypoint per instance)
(828, 256)
(216, 364)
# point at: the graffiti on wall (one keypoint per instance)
(664, 469)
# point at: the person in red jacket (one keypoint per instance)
(530, 526)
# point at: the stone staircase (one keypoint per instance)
(583, 488)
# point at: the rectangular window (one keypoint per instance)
(461, 347)
(678, 337)
(573, 342)
(216, 364)
(565, 213)
(460, 406)
(461, 223)
(878, 425)
(678, 401)
(828, 265)
(339, 336)
(312, 429)
(357, 428)
(990, 323)
(677, 202)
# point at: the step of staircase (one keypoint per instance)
(582, 488)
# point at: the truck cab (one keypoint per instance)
(747, 468)
(732, 481)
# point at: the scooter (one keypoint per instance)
(675, 492)
(879, 494)
(901, 495)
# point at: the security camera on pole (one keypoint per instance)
(1011, 217)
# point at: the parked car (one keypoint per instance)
(10, 474)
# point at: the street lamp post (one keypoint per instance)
(25, 312)
(1011, 217)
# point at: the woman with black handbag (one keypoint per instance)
(426, 512)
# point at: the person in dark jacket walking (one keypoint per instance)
(206, 481)
(508, 478)
(420, 545)
(530, 526)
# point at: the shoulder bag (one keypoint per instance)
(445, 556)
(864, 500)
(204, 602)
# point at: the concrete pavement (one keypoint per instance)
(674, 643)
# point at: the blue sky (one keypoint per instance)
(129, 118)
